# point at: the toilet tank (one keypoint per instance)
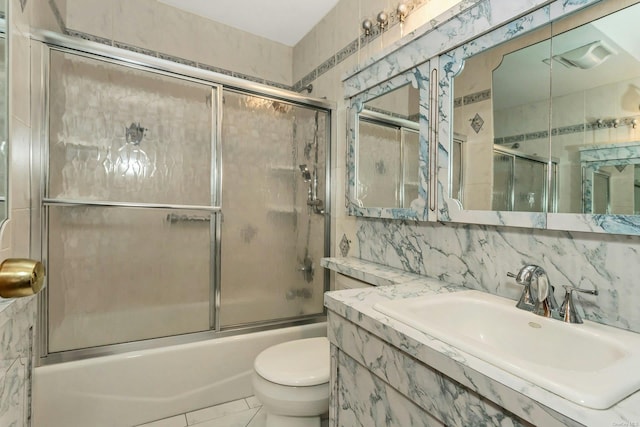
(346, 282)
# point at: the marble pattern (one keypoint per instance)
(17, 318)
(522, 398)
(479, 257)
(369, 272)
(363, 399)
(444, 399)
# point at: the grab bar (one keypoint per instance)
(174, 218)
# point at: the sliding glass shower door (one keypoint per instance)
(272, 238)
(128, 204)
(170, 209)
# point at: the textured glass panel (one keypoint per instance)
(530, 184)
(127, 275)
(272, 241)
(502, 182)
(411, 166)
(600, 193)
(122, 134)
(378, 165)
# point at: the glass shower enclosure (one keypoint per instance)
(173, 205)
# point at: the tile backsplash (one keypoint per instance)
(479, 257)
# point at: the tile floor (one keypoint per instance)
(239, 413)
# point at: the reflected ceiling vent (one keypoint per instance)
(585, 57)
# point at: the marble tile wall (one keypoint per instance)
(479, 257)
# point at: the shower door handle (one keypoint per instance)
(20, 277)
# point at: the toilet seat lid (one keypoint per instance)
(295, 363)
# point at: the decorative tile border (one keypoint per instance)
(485, 95)
(176, 59)
(89, 37)
(134, 48)
(328, 64)
(563, 130)
(477, 97)
(172, 58)
(354, 45)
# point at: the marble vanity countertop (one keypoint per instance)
(505, 389)
(375, 274)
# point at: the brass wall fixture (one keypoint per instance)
(20, 277)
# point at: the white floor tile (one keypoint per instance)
(240, 419)
(260, 419)
(217, 411)
(253, 402)
(177, 421)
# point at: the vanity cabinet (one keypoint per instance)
(375, 384)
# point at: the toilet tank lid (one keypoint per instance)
(299, 363)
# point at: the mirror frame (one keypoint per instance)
(445, 41)
(417, 77)
(449, 65)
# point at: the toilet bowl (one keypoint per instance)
(292, 382)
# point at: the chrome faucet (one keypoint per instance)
(537, 295)
(568, 311)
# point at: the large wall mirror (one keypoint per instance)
(386, 170)
(546, 126)
(4, 102)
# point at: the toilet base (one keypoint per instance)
(274, 420)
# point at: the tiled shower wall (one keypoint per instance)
(477, 256)
(153, 28)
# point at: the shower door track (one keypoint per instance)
(55, 42)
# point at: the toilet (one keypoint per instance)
(291, 380)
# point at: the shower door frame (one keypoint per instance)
(45, 44)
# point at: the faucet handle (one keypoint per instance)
(526, 301)
(568, 310)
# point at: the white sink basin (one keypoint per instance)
(590, 364)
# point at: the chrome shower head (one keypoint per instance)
(306, 175)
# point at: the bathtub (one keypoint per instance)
(137, 387)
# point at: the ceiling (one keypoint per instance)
(283, 21)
